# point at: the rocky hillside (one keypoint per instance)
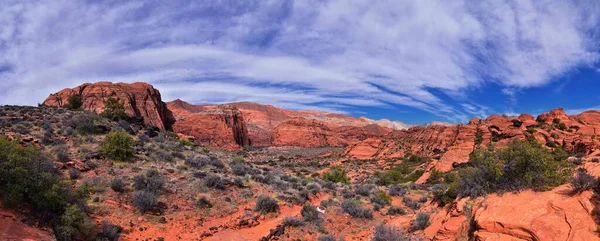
(453, 143)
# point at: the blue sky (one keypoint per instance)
(414, 61)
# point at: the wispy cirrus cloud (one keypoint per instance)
(332, 55)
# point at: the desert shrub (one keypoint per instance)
(143, 200)
(117, 185)
(381, 195)
(199, 161)
(110, 232)
(74, 224)
(313, 188)
(405, 172)
(442, 193)
(152, 181)
(214, 181)
(336, 174)
(364, 190)
(310, 213)
(329, 237)
(163, 156)
(83, 123)
(397, 190)
(203, 202)
(396, 211)
(238, 182)
(329, 185)
(186, 142)
(114, 110)
(48, 138)
(435, 176)
(292, 222)
(238, 169)
(94, 184)
(423, 199)
(582, 181)
(74, 102)
(265, 204)
(74, 174)
(411, 203)
(118, 146)
(421, 222)
(388, 233)
(355, 210)
(521, 165)
(62, 153)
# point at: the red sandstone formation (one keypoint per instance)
(454, 143)
(139, 99)
(272, 126)
(220, 126)
(526, 215)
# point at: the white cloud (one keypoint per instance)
(305, 54)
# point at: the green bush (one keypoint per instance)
(114, 110)
(118, 146)
(74, 102)
(521, 165)
(28, 177)
(74, 224)
(336, 174)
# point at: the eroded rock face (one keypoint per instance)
(272, 126)
(536, 216)
(527, 215)
(139, 99)
(221, 126)
(575, 133)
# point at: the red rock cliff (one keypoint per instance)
(220, 126)
(139, 99)
(272, 126)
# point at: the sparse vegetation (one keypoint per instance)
(582, 181)
(214, 181)
(117, 185)
(421, 222)
(266, 204)
(292, 221)
(355, 210)
(388, 233)
(337, 175)
(521, 165)
(152, 181)
(310, 213)
(143, 200)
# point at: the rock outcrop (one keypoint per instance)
(272, 126)
(139, 99)
(453, 143)
(551, 215)
(221, 126)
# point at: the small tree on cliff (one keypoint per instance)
(74, 102)
(114, 110)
